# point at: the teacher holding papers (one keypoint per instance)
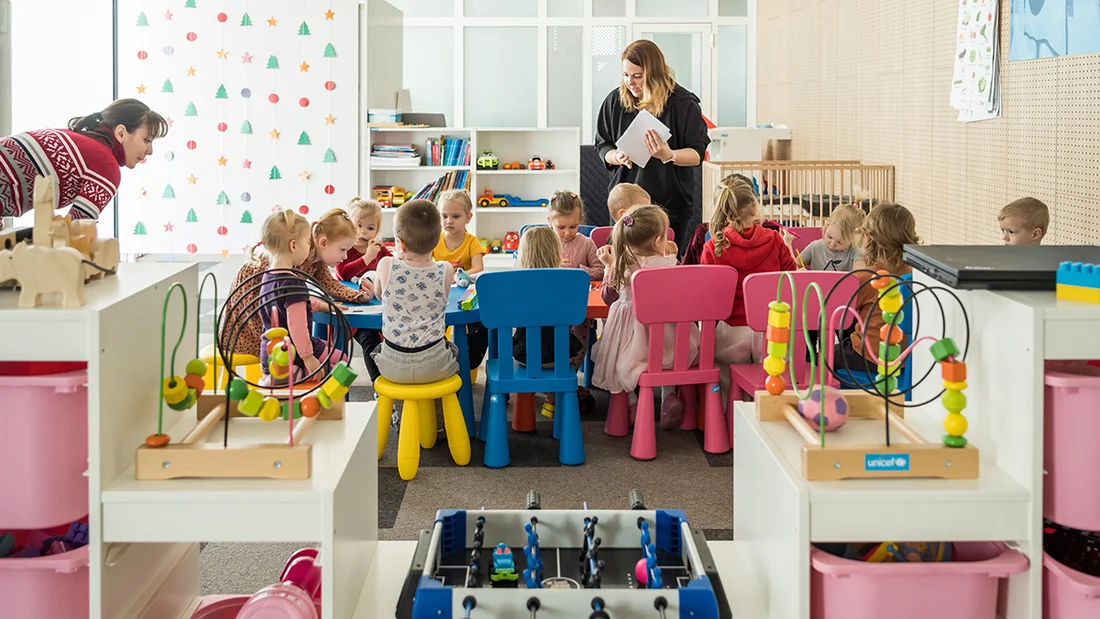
(670, 139)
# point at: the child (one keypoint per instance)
(414, 290)
(887, 229)
(462, 250)
(838, 248)
(332, 235)
(1024, 222)
(566, 213)
(288, 240)
(622, 352)
(623, 197)
(366, 251)
(740, 242)
(456, 246)
(540, 248)
(693, 254)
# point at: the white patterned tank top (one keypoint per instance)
(414, 304)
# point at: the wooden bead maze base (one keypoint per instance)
(915, 458)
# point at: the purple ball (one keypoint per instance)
(832, 415)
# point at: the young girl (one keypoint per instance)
(740, 242)
(839, 246)
(366, 251)
(332, 235)
(886, 230)
(456, 245)
(284, 298)
(622, 352)
(578, 251)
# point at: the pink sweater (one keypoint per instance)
(581, 251)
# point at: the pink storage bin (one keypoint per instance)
(45, 587)
(1071, 409)
(227, 607)
(44, 445)
(1067, 593)
(966, 588)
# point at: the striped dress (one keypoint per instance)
(87, 171)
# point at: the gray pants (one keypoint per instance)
(417, 368)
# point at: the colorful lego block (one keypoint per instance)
(1085, 294)
(1078, 274)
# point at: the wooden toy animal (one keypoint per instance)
(44, 270)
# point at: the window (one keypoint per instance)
(501, 8)
(564, 8)
(664, 8)
(733, 8)
(608, 8)
(608, 43)
(427, 73)
(501, 81)
(425, 8)
(564, 76)
(733, 82)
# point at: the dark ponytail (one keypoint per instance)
(130, 113)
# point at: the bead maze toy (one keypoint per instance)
(299, 405)
(1076, 281)
(824, 409)
(594, 564)
(61, 255)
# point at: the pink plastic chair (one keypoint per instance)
(682, 296)
(805, 237)
(602, 236)
(758, 290)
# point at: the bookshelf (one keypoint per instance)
(559, 145)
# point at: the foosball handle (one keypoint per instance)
(636, 499)
(534, 605)
(660, 604)
(470, 603)
(598, 611)
(534, 499)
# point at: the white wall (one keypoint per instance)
(5, 67)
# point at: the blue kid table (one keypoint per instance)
(368, 316)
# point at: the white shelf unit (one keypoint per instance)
(559, 145)
(778, 514)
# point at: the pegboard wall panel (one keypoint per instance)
(870, 80)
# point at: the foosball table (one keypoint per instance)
(562, 564)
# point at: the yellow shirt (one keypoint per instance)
(461, 257)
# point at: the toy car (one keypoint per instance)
(515, 165)
(487, 160)
(494, 246)
(488, 198)
(391, 195)
(549, 164)
(535, 163)
(504, 564)
(517, 201)
(511, 242)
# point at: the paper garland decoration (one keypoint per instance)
(274, 174)
(223, 199)
(272, 63)
(330, 51)
(169, 193)
(303, 30)
(330, 157)
(190, 4)
(221, 94)
(142, 20)
(167, 86)
(246, 217)
(246, 128)
(139, 229)
(192, 217)
(246, 20)
(303, 140)
(191, 111)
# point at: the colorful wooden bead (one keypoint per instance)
(196, 382)
(944, 349)
(890, 334)
(187, 402)
(344, 374)
(309, 406)
(777, 349)
(892, 291)
(954, 441)
(883, 281)
(238, 388)
(885, 384)
(954, 401)
(779, 320)
(271, 409)
(781, 307)
(891, 304)
(893, 318)
(953, 370)
(775, 385)
(196, 366)
(952, 385)
(281, 356)
(777, 334)
(157, 440)
(888, 352)
(278, 371)
(174, 390)
(334, 389)
(774, 366)
(251, 404)
(955, 424)
(323, 398)
(276, 333)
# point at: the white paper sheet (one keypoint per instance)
(364, 309)
(632, 141)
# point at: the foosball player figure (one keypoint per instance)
(504, 567)
(533, 574)
(473, 581)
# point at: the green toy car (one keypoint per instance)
(487, 161)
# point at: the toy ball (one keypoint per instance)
(834, 411)
(640, 571)
(309, 406)
(238, 388)
(775, 385)
(196, 366)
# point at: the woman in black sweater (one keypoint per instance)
(648, 84)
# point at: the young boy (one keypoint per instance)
(462, 250)
(623, 197)
(415, 350)
(366, 251)
(1024, 222)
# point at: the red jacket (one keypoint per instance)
(756, 250)
(353, 265)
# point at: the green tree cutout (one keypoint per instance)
(330, 157)
(167, 86)
(142, 21)
(274, 176)
(246, 217)
(191, 217)
(330, 51)
(223, 199)
(272, 63)
(139, 229)
(246, 20)
(303, 140)
(169, 193)
(191, 111)
(221, 94)
(246, 128)
(303, 30)
(190, 4)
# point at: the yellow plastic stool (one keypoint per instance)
(251, 365)
(418, 426)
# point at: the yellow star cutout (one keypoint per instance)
(274, 133)
(190, 71)
(222, 54)
(330, 120)
(141, 88)
(304, 68)
(192, 179)
(222, 161)
(329, 14)
(272, 22)
(304, 176)
(225, 253)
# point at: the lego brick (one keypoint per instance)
(1078, 274)
(1086, 294)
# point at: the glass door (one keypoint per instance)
(687, 50)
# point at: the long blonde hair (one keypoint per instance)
(638, 229)
(734, 207)
(279, 229)
(658, 80)
(887, 229)
(847, 218)
(539, 249)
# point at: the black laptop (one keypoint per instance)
(997, 267)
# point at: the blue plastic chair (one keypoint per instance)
(585, 230)
(531, 298)
(851, 379)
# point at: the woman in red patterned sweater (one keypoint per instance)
(85, 158)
